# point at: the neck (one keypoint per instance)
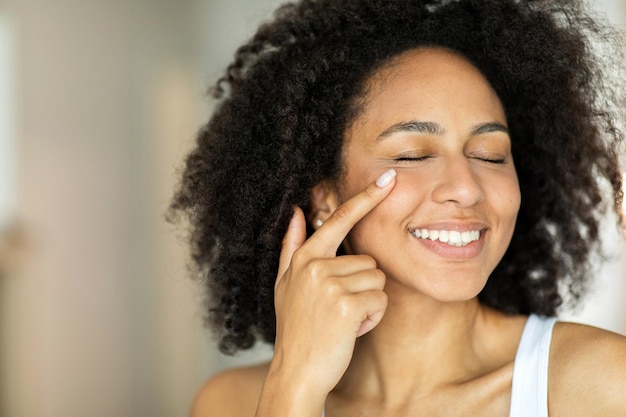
(419, 346)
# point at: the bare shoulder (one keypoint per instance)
(231, 393)
(587, 373)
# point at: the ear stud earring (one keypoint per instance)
(318, 222)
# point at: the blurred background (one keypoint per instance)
(99, 102)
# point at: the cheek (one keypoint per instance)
(408, 193)
(355, 179)
(515, 194)
(401, 203)
(359, 174)
(509, 198)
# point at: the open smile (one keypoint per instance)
(450, 237)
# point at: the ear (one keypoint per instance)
(324, 201)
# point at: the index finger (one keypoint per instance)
(335, 229)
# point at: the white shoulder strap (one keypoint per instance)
(529, 396)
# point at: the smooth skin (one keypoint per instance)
(394, 328)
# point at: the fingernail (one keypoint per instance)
(385, 179)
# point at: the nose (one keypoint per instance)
(458, 184)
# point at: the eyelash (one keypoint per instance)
(401, 159)
(493, 161)
(411, 158)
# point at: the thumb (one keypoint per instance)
(294, 238)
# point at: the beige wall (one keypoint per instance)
(100, 318)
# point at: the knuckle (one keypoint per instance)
(370, 192)
(384, 297)
(342, 213)
(333, 289)
(380, 277)
(381, 299)
(344, 306)
(368, 261)
(300, 256)
(315, 270)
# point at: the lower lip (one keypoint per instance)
(469, 251)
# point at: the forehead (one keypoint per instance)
(427, 65)
(428, 81)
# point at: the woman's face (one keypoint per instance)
(435, 119)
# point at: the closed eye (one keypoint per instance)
(492, 160)
(411, 158)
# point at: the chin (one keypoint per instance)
(447, 289)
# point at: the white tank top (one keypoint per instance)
(529, 395)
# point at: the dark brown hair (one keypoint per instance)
(286, 99)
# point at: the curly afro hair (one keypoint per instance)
(291, 91)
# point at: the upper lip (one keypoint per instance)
(451, 225)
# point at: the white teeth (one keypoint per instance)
(455, 238)
(451, 237)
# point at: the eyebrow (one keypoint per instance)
(489, 128)
(430, 128)
(433, 128)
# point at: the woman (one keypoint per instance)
(398, 195)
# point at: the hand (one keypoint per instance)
(324, 302)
